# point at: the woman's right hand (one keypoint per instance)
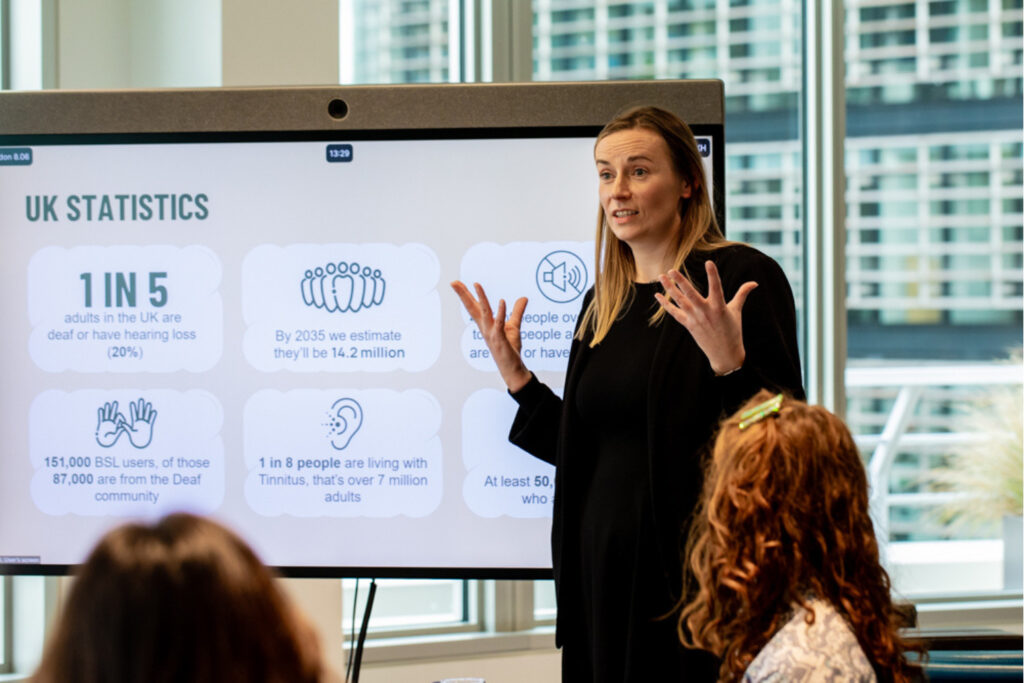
(501, 336)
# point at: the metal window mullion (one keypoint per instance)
(511, 31)
(510, 606)
(471, 49)
(7, 617)
(5, 45)
(824, 131)
(50, 44)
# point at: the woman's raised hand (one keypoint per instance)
(716, 326)
(501, 336)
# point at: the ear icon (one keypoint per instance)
(345, 419)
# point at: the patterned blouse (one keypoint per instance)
(827, 650)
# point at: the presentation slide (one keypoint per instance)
(264, 332)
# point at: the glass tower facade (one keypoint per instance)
(935, 206)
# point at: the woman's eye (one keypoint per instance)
(604, 175)
(640, 171)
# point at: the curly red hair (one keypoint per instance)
(784, 516)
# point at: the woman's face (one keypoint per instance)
(639, 188)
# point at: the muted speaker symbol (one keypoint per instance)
(561, 276)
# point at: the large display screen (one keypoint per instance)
(258, 326)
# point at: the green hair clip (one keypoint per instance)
(760, 412)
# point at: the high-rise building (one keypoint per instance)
(935, 205)
(399, 41)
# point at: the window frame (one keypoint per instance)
(6, 625)
(5, 45)
(472, 621)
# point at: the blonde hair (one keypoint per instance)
(613, 260)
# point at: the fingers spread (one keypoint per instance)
(470, 304)
(685, 287)
(518, 308)
(714, 282)
(679, 290)
(485, 305)
(499, 317)
(742, 293)
(673, 310)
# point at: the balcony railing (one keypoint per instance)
(910, 384)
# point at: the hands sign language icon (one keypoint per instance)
(111, 424)
(140, 431)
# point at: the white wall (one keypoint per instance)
(180, 43)
(93, 40)
(175, 43)
(132, 44)
(269, 42)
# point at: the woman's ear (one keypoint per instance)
(686, 189)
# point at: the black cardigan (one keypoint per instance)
(685, 403)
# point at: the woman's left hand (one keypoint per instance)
(716, 326)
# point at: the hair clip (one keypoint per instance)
(759, 412)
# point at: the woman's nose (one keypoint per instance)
(620, 187)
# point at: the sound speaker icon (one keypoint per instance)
(561, 276)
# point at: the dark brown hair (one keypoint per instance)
(783, 517)
(613, 259)
(180, 600)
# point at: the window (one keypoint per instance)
(884, 12)
(572, 15)
(398, 42)
(405, 606)
(572, 39)
(629, 10)
(761, 69)
(926, 206)
(544, 608)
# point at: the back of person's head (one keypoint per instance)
(784, 518)
(180, 600)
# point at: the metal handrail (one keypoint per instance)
(911, 382)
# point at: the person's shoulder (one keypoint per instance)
(741, 254)
(738, 262)
(824, 650)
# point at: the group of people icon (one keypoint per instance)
(343, 287)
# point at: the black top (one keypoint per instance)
(683, 403)
(617, 542)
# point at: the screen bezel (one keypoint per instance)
(434, 112)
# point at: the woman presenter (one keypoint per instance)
(680, 328)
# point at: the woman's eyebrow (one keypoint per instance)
(638, 157)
